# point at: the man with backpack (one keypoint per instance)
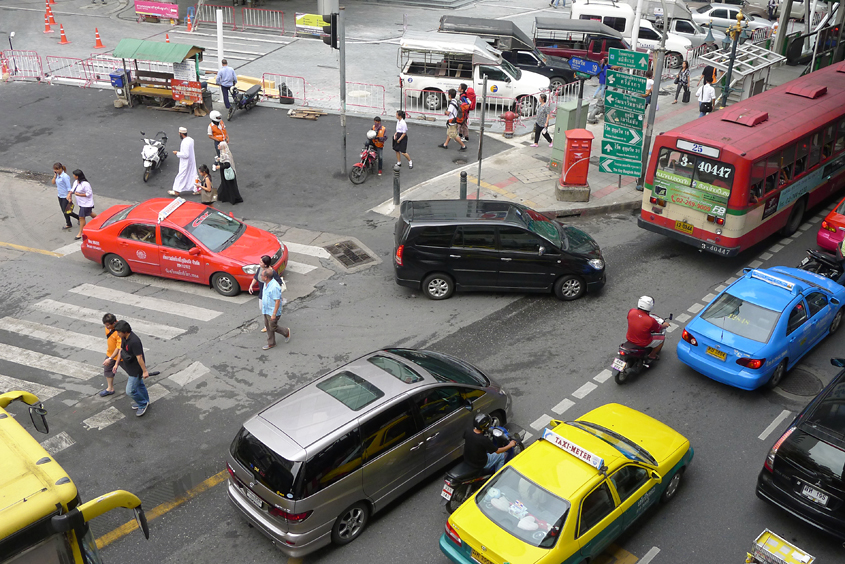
(454, 116)
(467, 100)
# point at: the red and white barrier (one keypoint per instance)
(296, 85)
(259, 18)
(762, 34)
(23, 65)
(207, 13)
(67, 70)
(362, 95)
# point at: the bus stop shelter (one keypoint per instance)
(751, 68)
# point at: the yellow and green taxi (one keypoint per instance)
(570, 494)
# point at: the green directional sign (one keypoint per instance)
(628, 59)
(620, 166)
(621, 117)
(622, 134)
(631, 82)
(622, 101)
(622, 150)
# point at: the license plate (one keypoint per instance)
(447, 492)
(254, 498)
(684, 226)
(814, 494)
(805, 261)
(618, 364)
(477, 556)
(717, 353)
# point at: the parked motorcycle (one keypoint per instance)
(464, 480)
(822, 264)
(154, 153)
(369, 161)
(631, 360)
(244, 100)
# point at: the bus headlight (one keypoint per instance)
(598, 264)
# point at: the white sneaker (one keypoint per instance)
(410, 164)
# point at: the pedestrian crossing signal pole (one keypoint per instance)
(334, 35)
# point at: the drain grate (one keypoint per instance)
(801, 383)
(459, 161)
(349, 254)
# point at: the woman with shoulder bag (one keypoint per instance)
(84, 199)
(228, 191)
(206, 188)
(682, 80)
(706, 95)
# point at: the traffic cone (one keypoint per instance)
(50, 13)
(47, 24)
(189, 24)
(51, 1)
(63, 40)
(99, 44)
(167, 38)
(4, 70)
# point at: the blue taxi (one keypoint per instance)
(760, 326)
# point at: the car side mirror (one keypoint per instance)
(39, 419)
(194, 251)
(834, 301)
(839, 362)
(542, 251)
(656, 477)
(468, 405)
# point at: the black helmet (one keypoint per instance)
(482, 422)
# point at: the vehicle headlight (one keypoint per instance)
(598, 264)
(251, 268)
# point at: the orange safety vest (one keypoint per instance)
(219, 132)
(380, 132)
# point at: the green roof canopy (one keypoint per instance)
(155, 51)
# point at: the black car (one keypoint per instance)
(442, 245)
(804, 472)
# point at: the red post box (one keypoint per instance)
(576, 158)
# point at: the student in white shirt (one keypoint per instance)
(84, 199)
(400, 140)
(706, 95)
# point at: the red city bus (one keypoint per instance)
(727, 181)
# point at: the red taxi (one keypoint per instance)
(832, 230)
(174, 238)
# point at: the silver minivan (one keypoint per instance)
(313, 467)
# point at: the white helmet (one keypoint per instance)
(371, 135)
(645, 303)
(215, 116)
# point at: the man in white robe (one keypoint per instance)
(186, 180)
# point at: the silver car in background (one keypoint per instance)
(722, 16)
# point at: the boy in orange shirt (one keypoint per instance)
(112, 348)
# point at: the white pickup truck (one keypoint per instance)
(432, 63)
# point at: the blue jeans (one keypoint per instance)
(702, 114)
(556, 2)
(600, 91)
(136, 390)
(495, 461)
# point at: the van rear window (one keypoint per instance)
(814, 455)
(351, 390)
(274, 472)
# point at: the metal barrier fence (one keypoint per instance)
(68, 70)
(259, 18)
(434, 103)
(99, 67)
(694, 56)
(362, 95)
(22, 65)
(272, 83)
(207, 13)
(761, 34)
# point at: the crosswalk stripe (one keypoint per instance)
(103, 419)
(57, 444)
(299, 267)
(189, 374)
(187, 288)
(74, 247)
(94, 316)
(146, 302)
(8, 384)
(310, 250)
(156, 392)
(52, 334)
(48, 363)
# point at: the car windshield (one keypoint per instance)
(215, 229)
(512, 70)
(627, 447)
(522, 508)
(696, 27)
(539, 224)
(577, 241)
(443, 368)
(540, 56)
(704, 9)
(841, 209)
(742, 318)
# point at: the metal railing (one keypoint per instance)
(23, 65)
(207, 13)
(67, 70)
(260, 18)
(273, 85)
(362, 95)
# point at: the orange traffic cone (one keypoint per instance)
(189, 24)
(167, 38)
(47, 24)
(63, 40)
(4, 70)
(51, 1)
(50, 13)
(99, 44)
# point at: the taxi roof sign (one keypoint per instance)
(773, 280)
(573, 449)
(170, 208)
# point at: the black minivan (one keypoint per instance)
(443, 245)
(804, 472)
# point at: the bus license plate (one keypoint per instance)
(256, 501)
(684, 226)
(717, 353)
(447, 492)
(814, 494)
(618, 364)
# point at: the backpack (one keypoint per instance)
(470, 95)
(465, 108)
(459, 117)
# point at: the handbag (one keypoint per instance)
(69, 207)
(686, 96)
(705, 107)
(677, 79)
(229, 173)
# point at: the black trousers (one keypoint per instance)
(225, 90)
(681, 86)
(63, 203)
(539, 129)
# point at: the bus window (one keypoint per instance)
(840, 138)
(758, 177)
(801, 150)
(773, 170)
(827, 148)
(713, 172)
(815, 149)
(787, 162)
(676, 162)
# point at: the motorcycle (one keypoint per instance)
(369, 161)
(631, 360)
(244, 100)
(464, 480)
(154, 153)
(822, 264)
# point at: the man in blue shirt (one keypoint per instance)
(62, 182)
(226, 78)
(271, 306)
(603, 66)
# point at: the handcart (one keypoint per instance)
(769, 548)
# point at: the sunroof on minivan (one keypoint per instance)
(351, 390)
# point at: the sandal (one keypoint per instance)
(105, 393)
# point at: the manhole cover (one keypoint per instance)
(349, 254)
(459, 161)
(801, 383)
(37, 176)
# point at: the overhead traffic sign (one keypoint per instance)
(622, 150)
(621, 117)
(620, 166)
(622, 101)
(628, 59)
(631, 82)
(584, 65)
(622, 134)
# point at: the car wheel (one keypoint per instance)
(569, 288)
(672, 487)
(460, 495)
(777, 375)
(438, 286)
(556, 83)
(674, 60)
(837, 321)
(116, 266)
(796, 216)
(225, 284)
(526, 106)
(350, 524)
(433, 100)
(148, 170)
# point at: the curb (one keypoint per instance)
(596, 210)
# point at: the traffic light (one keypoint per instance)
(329, 34)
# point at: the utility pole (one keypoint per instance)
(733, 32)
(220, 55)
(655, 90)
(341, 24)
(481, 134)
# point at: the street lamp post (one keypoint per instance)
(733, 32)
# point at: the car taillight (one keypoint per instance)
(753, 363)
(230, 469)
(687, 336)
(398, 257)
(829, 227)
(453, 534)
(770, 458)
(287, 516)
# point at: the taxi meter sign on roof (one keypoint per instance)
(573, 449)
(171, 207)
(774, 281)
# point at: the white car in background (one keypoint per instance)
(722, 16)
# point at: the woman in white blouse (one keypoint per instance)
(84, 199)
(400, 140)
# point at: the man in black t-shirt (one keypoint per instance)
(131, 358)
(479, 450)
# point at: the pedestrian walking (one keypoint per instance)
(226, 78)
(228, 191)
(62, 182)
(682, 80)
(453, 113)
(649, 89)
(603, 66)
(131, 358)
(217, 130)
(186, 180)
(772, 6)
(112, 350)
(84, 199)
(400, 140)
(466, 98)
(378, 140)
(266, 262)
(708, 74)
(207, 192)
(271, 307)
(554, 3)
(706, 94)
(541, 124)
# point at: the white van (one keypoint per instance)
(620, 16)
